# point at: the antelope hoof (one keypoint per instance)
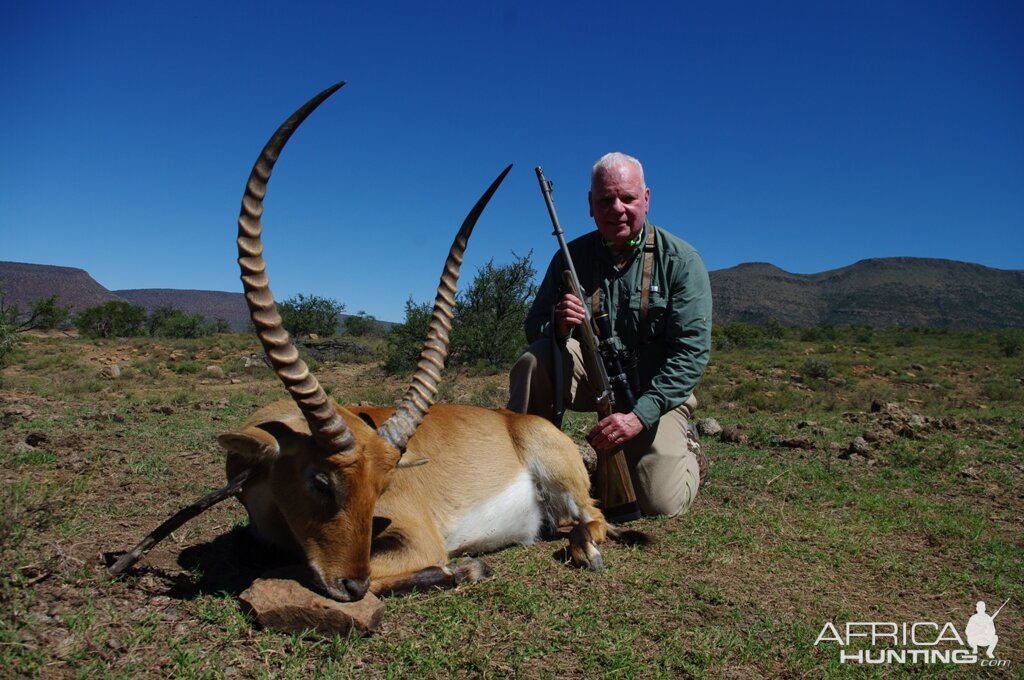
(583, 551)
(469, 569)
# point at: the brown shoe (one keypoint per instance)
(703, 464)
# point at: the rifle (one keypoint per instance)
(605, 369)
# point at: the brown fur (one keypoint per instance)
(473, 456)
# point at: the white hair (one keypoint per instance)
(614, 160)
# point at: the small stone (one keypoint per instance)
(285, 605)
(708, 427)
(733, 435)
(111, 372)
(859, 446)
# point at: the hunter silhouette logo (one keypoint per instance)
(981, 630)
(918, 642)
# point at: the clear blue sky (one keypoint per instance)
(807, 134)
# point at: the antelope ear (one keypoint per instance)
(410, 459)
(252, 443)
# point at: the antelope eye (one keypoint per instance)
(320, 483)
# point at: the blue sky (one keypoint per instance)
(807, 134)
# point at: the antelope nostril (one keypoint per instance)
(355, 587)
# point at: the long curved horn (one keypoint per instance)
(328, 428)
(418, 399)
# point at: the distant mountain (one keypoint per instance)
(23, 284)
(898, 291)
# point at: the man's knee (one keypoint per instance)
(667, 484)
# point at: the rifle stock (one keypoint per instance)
(614, 486)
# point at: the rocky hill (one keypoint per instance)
(24, 283)
(902, 291)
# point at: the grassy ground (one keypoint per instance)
(793, 530)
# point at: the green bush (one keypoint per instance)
(487, 328)
(310, 315)
(817, 369)
(405, 340)
(167, 322)
(114, 319)
(361, 324)
(6, 341)
(1010, 342)
(489, 316)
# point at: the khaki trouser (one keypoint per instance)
(664, 471)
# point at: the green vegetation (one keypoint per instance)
(487, 330)
(167, 322)
(361, 324)
(795, 528)
(304, 315)
(114, 319)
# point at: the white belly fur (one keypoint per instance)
(510, 517)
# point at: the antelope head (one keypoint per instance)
(325, 467)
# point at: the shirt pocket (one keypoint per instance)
(657, 314)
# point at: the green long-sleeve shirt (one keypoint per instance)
(678, 344)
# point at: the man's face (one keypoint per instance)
(618, 203)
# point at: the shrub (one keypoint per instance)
(114, 319)
(406, 339)
(361, 324)
(310, 315)
(1010, 342)
(6, 341)
(167, 322)
(488, 327)
(817, 369)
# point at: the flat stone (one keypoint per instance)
(280, 602)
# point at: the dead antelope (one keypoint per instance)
(381, 499)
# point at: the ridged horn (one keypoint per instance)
(418, 399)
(328, 428)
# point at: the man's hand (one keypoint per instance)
(569, 313)
(614, 431)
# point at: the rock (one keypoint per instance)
(178, 355)
(916, 367)
(708, 427)
(796, 442)
(858, 447)
(215, 372)
(733, 435)
(255, 360)
(111, 372)
(22, 448)
(283, 604)
(18, 411)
